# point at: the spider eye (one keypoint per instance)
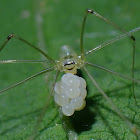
(69, 63)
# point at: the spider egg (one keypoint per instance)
(61, 99)
(82, 82)
(71, 79)
(67, 110)
(70, 93)
(60, 87)
(83, 92)
(77, 103)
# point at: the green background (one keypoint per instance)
(61, 25)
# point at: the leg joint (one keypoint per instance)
(90, 11)
(10, 36)
(133, 38)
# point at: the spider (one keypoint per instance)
(69, 65)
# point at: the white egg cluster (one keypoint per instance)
(70, 93)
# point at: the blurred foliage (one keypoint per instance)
(61, 25)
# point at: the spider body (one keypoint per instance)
(70, 91)
(70, 62)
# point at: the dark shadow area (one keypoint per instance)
(84, 119)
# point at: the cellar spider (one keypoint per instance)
(71, 63)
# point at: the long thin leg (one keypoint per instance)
(110, 71)
(127, 33)
(24, 61)
(111, 41)
(32, 137)
(108, 21)
(5, 42)
(130, 125)
(41, 72)
(126, 77)
(82, 34)
(26, 42)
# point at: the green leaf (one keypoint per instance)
(61, 25)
